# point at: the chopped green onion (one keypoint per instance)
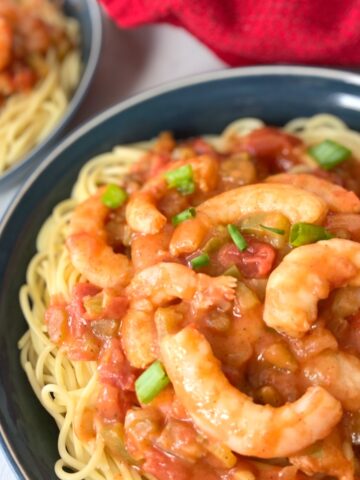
(237, 238)
(233, 271)
(200, 261)
(182, 179)
(114, 196)
(184, 215)
(151, 382)
(328, 154)
(304, 233)
(279, 231)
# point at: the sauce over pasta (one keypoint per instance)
(39, 69)
(205, 324)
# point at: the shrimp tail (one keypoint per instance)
(212, 292)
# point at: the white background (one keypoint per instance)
(133, 61)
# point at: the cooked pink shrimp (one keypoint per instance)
(159, 285)
(165, 282)
(138, 334)
(88, 248)
(338, 198)
(339, 373)
(142, 214)
(228, 415)
(233, 205)
(305, 276)
(6, 41)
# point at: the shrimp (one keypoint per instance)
(165, 282)
(159, 285)
(233, 205)
(142, 214)
(6, 41)
(305, 276)
(138, 334)
(89, 251)
(339, 373)
(228, 415)
(337, 198)
(148, 250)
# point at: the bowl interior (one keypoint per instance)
(88, 15)
(205, 107)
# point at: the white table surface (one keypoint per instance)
(132, 61)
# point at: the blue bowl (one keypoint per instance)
(193, 106)
(88, 14)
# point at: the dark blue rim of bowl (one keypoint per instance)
(325, 73)
(8, 178)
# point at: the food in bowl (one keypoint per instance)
(193, 308)
(40, 67)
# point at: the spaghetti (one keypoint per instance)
(68, 389)
(39, 77)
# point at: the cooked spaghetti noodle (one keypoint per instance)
(68, 389)
(38, 79)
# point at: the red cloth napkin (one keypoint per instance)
(246, 32)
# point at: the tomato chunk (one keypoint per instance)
(272, 146)
(255, 262)
(114, 369)
(166, 467)
(115, 307)
(78, 324)
(112, 404)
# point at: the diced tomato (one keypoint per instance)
(114, 369)
(166, 467)
(56, 319)
(78, 293)
(272, 146)
(255, 262)
(86, 348)
(78, 323)
(115, 307)
(268, 142)
(112, 403)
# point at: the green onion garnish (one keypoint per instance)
(114, 196)
(184, 215)
(237, 238)
(182, 179)
(279, 231)
(304, 233)
(201, 261)
(328, 154)
(151, 382)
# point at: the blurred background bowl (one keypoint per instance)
(88, 14)
(204, 104)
